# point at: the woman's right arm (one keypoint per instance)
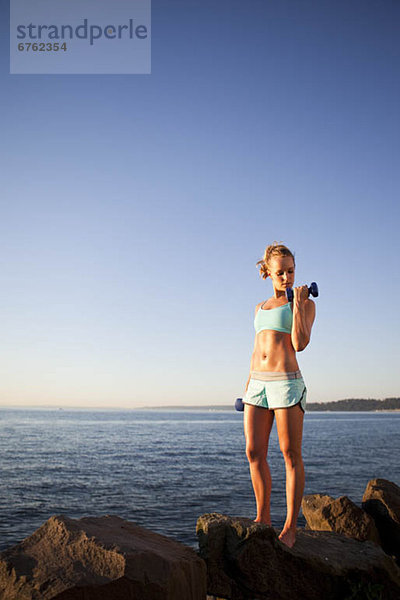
(253, 354)
(251, 368)
(248, 379)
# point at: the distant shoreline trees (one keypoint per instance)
(356, 404)
(350, 404)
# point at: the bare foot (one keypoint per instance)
(263, 521)
(288, 537)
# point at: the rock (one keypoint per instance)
(246, 560)
(324, 513)
(382, 501)
(103, 558)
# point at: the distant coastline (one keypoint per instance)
(357, 404)
(349, 404)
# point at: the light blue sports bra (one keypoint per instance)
(279, 318)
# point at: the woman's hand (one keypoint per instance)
(300, 294)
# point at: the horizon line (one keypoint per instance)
(165, 407)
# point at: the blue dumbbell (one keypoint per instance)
(313, 290)
(239, 405)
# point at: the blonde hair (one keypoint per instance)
(274, 249)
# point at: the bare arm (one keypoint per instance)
(303, 318)
(251, 368)
(252, 356)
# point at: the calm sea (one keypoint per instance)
(162, 469)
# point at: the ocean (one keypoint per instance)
(164, 468)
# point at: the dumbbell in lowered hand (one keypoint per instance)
(239, 405)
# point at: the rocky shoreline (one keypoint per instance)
(344, 553)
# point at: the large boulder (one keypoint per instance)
(103, 558)
(381, 500)
(324, 513)
(246, 560)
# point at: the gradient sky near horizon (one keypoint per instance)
(134, 207)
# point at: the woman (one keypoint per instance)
(275, 386)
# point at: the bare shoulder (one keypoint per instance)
(258, 306)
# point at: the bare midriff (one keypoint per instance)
(274, 352)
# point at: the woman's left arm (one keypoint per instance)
(303, 318)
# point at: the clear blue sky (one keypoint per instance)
(134, 208)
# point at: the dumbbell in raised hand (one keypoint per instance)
(313, 290)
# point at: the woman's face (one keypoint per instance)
(281, 271)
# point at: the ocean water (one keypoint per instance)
(163, 469)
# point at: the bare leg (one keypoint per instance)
(289, 423)
(257, 427)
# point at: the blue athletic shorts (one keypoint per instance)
(276, 389)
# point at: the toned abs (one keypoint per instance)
(273, 351)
